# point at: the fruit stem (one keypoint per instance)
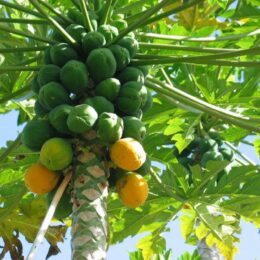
(19, 68)
(143, 18)
(26, 34)
(84, 10)
(14, 94)
(175, 93)
(20, 20)
(48, 217)
(167, 190)
(23, 49)
(52, 21)
(16, 143)
(198, 39)
(105, 16)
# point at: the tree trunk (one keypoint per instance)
(89, 219)
(208, 253)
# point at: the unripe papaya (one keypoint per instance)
(76, 31)
(149, 102)
(48, 73)
(47, 56)
(35, 133)
(121, 55)
(145, 168)
(108, 88)
(109, 32)
(56, 36)
(91, 41)
(109, 127)
(35, 85)
(74, 76)
(75, 15)
(133, 127)
(101, 64)
(131, 74)
(130, 44)
(100, 104)
(144, 69)
(211, 156)
(53, 94)
(58, 118)
(120, 24)
(39, 110)
(81, 118)
(62, 53)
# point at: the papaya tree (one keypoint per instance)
(132, 115)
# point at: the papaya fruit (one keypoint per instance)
(39, 110)
(81, 118)
(35, 133)
(48, 73)
(131, 74)
(62, 53)
(120, 24)
(134, 127)
(100, 104)
(64, 207)
(75, 15)
(76, 31)
(109, 127)
(210, 156)
(56, 154)
(101, 64)
(35, 86)
(121, 55)
(149, 102)
(130, 44)
(74, 76)
(53, 94)
(109, 32)
(108, 88)
(144, 69)
(47, 56)
(58, 118)
(207, 144)
(91, 41)
(56, 36)
(130, 97)
(227, 154)
(39, 179)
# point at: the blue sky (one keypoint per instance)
(250, 239)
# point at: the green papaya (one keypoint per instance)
(74, 76)
(131, 74)
(109, 127)
(120, 24)
(145, 168)
(207, 144)
(130, 98)
(64, 207)
(53, 94)
(185, 161)
(211, 156)
(100, 104)
(91, 41)
(35, 133)
(134, 127)
(108, 88)
(149, 102)
(39, 110)
(48, 73)
(81, 118)
(35, 86)
(58, 118)
(56, 36)
(130, 44)
(62, 53)
(227, 154)
(101, 64)
(75, 15)
(76, 31)
(144, 69)
(109, 32)
(121, 55)
(47, 56)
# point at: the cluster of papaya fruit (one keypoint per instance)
(93, 87)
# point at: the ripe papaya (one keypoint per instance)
(133, 127)
(64, 207)
(108, 88)
(109, 127)
(48, 73)
(109, 32)
(101, 64)
(120, 24)
(39, 110)
(149, 102)
(121, 55)
(81, 118)
(74, 76)
(53, 94)
(100, 104)
(91, 41)
(62, 53)
(211, 156)
(35, 86)
(130, 44)
(130, 97)
(76, 31)
(35, 133)
(47, 56)
(58, 118)
(56, 154)
(131, 74)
